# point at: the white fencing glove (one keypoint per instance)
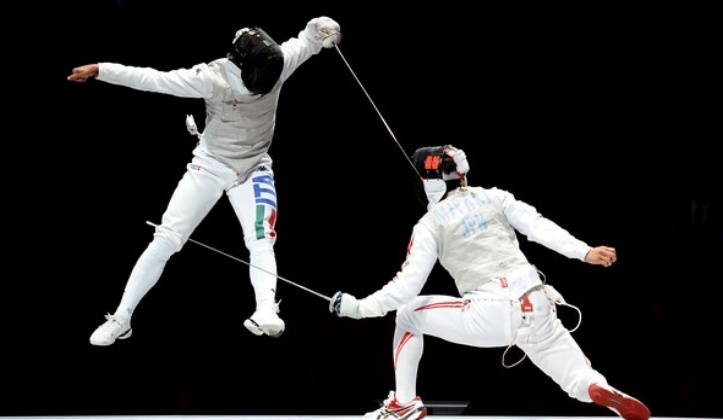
(329, 30)
(344, 305)
(460, 160)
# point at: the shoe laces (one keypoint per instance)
(389, 400)
(112, 322)
(392, 404)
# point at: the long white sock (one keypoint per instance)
(408, 349)
(144, 276)
(263, 282)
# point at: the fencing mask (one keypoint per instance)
(439, 171)
(259, 57)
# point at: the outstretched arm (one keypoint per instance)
(186, 83)
(539, 229)
(406, 284)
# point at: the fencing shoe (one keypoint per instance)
(115, 327)
(623, 405)
(266, 321)
(391, 409)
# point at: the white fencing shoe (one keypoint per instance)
(266, 321)
(115, 327)
(391, 409)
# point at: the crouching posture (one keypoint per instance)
(504, 302)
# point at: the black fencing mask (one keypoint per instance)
(259, 57)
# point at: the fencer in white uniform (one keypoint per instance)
(241, 92)
(503, 300)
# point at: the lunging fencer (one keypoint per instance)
(503, 301)
(241, 92)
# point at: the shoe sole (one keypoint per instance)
(627, 407)
(256, 330)
(417, 414)
(253, 327)
(123, 336)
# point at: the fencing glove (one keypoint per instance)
(328, 31)
(460, 160)
(346, 305)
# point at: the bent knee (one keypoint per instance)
(167, 240)
(407, 319)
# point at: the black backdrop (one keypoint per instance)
(597, 116)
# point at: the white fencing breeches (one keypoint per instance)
(200, 188)
(487, 323)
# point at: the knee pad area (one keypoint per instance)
(407, 321)
(163, 248)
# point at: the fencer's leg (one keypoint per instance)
(196, 193)
(456, 320)
(407, 349)
(261, 255)
(254, 203)
(551, 347)
(145, 275)
(403, 402)
(265, 319)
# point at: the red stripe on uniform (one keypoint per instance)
(455, 304)
(272, 223)
(405, 338)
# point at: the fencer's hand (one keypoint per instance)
(601, 255)
(459, 158)
(83, 73)
(344, 305)
(329, 29)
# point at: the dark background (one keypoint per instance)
(602, 117)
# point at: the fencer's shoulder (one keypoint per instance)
(217, 68)
(493, 188)
(476, 189)
(424, 227)
(492, 194)
(219, 62)
(496, 191)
